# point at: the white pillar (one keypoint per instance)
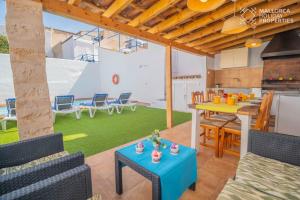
(245, 127)
(195, 129)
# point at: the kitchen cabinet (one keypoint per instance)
(234, 58)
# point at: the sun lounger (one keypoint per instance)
(11, 112)
(65, 105)
(99, 102)
(122, 102)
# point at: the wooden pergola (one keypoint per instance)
(166, 22)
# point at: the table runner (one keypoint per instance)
(177, 172)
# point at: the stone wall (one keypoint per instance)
(25, 30)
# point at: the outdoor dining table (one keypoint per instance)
(244, 111)
(170, 177)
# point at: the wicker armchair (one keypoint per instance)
(74, 184)
(25, 151)
(19, 153)
(22, 178)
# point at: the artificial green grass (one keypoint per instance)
(104, 131)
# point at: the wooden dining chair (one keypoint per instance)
(197, 97)
(231, 132)
(211, 133)
(267, 117)
(210, 95)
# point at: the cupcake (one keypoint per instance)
(156, 156)
(139, 148)
(174, 148)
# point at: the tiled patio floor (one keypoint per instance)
(212, 172)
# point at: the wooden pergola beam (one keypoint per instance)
(77, 13)
(116, 7)
(260, 35)
(152, 12)
(296, 18)
(209, 18)
(173, 21)
(169, 101)
(213, 28)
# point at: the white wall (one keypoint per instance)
(74, 49)
(187, 64)
(6, 78)
(142, 73)
(68, 49)
(48, 41)
(72, 77)
(64, 77)
(254, 56)
(83, 47)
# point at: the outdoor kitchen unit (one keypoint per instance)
(281, 57)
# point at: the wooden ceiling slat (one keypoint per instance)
(213, 28)
(152, 12)
(250, 32)
(91, 7)
(294, 9)
(214, 16)
(64, 9)
(184, 29)
(137, 7)
(74, 2)
(116, 7)
(173, 21)
(260, 35)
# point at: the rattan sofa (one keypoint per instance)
(270, 169)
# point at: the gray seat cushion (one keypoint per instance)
(238, 191)
(33, 163)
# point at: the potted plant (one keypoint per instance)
(156, 140)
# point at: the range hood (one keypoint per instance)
(285, 44)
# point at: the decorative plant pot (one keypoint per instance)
(156, 146)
